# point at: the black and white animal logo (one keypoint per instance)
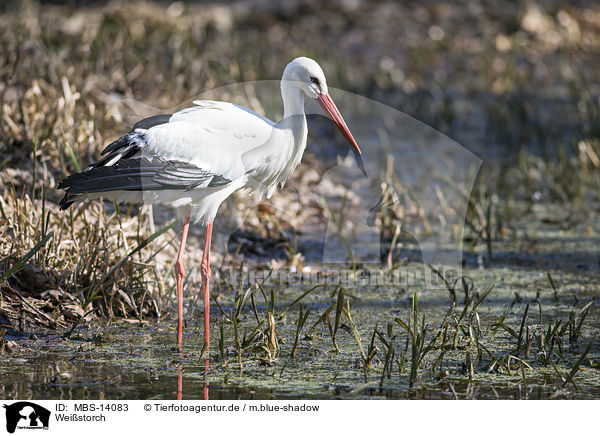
(26, 415)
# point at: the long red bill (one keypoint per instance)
(330, 108)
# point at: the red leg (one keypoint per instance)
(179, 275)
(205, 267)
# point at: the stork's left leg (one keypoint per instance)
(205, 267)
(179, 276)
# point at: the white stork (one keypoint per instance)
(194, 159)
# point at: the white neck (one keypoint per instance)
(293, 99)
(294, 120)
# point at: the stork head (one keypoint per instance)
(308, 76)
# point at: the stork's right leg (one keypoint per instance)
(179, 275)
(205, 284)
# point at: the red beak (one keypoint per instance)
(330, 109)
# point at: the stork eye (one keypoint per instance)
(314, 80)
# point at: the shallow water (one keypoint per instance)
(129, 361)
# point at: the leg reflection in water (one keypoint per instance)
(180, 381)
(205, 390)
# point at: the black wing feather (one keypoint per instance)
(125, 141)
(138, 174)
(155, 120)
(137, 137)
